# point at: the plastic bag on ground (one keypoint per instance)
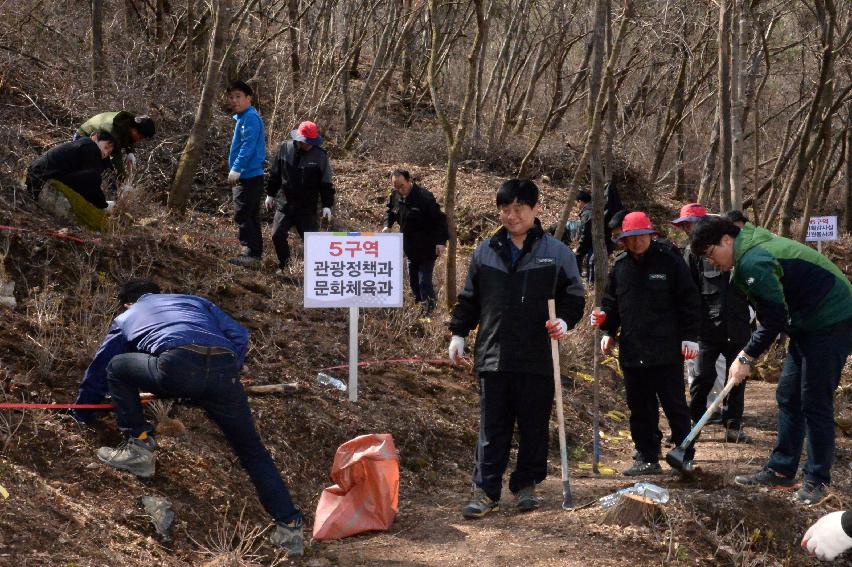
(366, 496)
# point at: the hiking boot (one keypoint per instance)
(135, 456)
(526, 500)
(288, 536)
(640, 468)
(765, 477)
(480, 504)
(738, 436)
(811, 492)
(245, 261)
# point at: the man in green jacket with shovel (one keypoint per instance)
(794, 290)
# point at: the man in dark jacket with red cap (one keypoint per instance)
(652, 305)
(725, 329)
(299, 178)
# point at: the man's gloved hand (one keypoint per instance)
(689, 349)
(456, 349)
(326, 213)
(110, 206)
(597, 317)
(440, 249)
(233, 177)
(826, 538)
(386, 229)
(269, 203)
(606, 344)
(130, 159)
(557, 329)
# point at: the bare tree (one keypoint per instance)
(191, 155)
(725, 104)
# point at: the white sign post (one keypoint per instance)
(821, 229)
(353, 269)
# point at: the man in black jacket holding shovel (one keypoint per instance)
(511, 277)
(424, 233)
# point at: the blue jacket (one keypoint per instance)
(248, 147)
(157, 323)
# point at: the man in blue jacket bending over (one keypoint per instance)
(182, 346)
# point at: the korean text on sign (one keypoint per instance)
(822, 228)
(353, 270)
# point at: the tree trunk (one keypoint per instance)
(295, 67)
(97, 47)
(737, 86)
(609, 160)
(725, 105)
(708, 172)
(848, 200)
(454, 137)
(191, 155)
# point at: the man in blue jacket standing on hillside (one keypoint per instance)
(182, 346)
(248, 152)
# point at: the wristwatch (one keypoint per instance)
(743, 359)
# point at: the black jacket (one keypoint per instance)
(584, 239)
(299, 179)
(421, 222)
(724, 308)
(510, 302)
(78, 164)
(655, 304)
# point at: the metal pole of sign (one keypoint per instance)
(819, 246)
(353, 354)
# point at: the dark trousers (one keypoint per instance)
(211, 382)
(506, 398)
(420, 279)
(705, 377)
(647, 389)
(805, 396)
(248, 194)
(284, 220)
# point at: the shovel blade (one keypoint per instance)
(676, 457)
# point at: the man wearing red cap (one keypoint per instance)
(652, 305)
(300, 178)
(725, 330)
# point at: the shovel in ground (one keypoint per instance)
(677, 456)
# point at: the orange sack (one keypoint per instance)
(366, 496)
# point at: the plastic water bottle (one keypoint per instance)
(611, 500)
(329, 380)
(656, 493)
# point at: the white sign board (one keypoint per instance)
(821, 229)
(353, 269)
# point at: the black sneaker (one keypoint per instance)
(738, 436)
(641, 468)
(811, 492)
(480, 505)
(526, 500)
(765, 477)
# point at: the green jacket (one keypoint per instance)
(118, 125)
(792, 287)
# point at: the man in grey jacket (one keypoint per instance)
(510, 279)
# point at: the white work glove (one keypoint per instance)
(826, 538)
(233, 177)
(130, 159)
(597, 317)
(269, 203)
(110, 206)
(386, 229)
(606, 344)
(326, 213)
(456, 349)
(557, 329)
(689, 349)
(440, 249)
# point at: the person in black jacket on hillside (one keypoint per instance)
(509, 281)
(77, 164)
(652, 305)
(424, 233)
(725, 330)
